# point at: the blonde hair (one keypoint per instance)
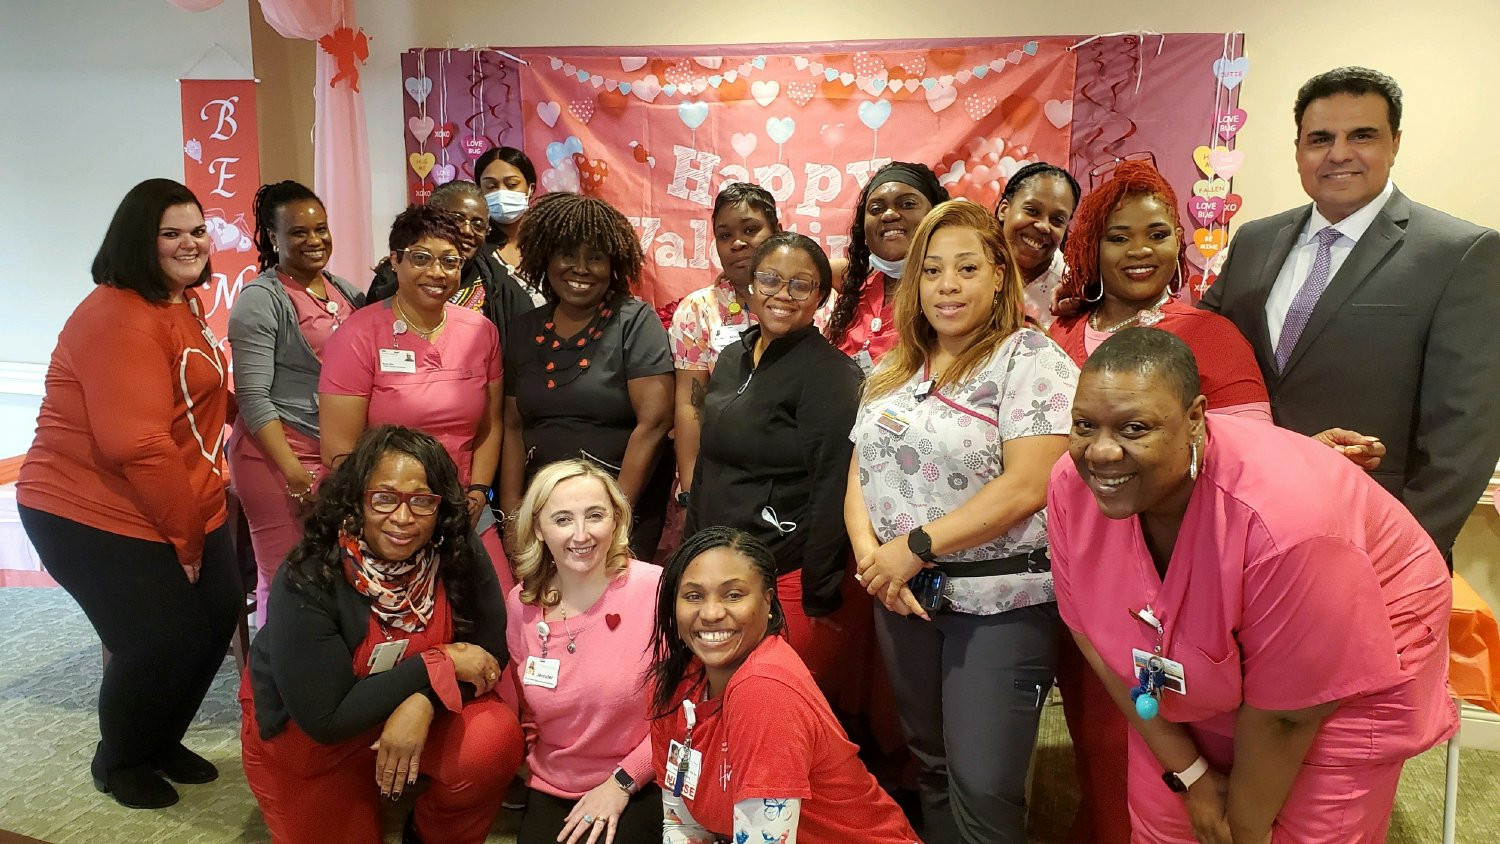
(918, 339)
(535, 568)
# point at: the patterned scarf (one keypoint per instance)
(401, 594)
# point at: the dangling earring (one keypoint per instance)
(1175, 285)
(1193, 466)
(1092, 299)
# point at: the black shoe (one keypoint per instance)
(181, 765)
(135, 788)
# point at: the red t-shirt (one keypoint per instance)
(1227, 369)
(873, 328)
(772, 735)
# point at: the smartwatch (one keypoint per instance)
(920, 544)
(624, 781)
(1180, 783)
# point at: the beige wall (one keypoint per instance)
(1449, 156)
(285, 67)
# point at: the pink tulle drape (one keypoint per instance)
(195, 5)
(341, 144)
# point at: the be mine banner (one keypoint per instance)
(658, 133)
(221, 160)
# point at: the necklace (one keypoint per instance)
(572, 643)
(570, 354)
(408, 322)
(1147, 317)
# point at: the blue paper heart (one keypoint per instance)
(1030, 48)
(831, 73)
(759, 62)
(583, 75)
(713, 81)
(874, 113)
(624, 87)
(560, 151)
(669, 89)
(980, 70)
(929, 83)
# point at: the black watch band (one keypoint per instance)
(624, 781)
(920, 544)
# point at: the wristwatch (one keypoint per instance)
(1180, 783)
(920, 544)
(624, 781)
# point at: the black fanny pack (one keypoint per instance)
(1031, 562)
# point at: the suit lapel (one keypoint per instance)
(1281, 247)
(1384, 233)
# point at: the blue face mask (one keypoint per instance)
(891, 269)
(507, 206)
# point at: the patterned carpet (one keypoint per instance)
(49, 675)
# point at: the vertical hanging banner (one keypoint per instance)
(221, 162)
(658, 131)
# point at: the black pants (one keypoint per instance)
(166, 637)
(640, 823)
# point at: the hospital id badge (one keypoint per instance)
(674, 764)
(1176, 679)
(725, 335)
(398, 360)
(385, 656)
(541, 672)
(864, 361)
(891, 423)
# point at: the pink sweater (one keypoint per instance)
(596, 719)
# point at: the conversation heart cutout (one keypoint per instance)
(418, 88)
(1205, 209)
(443, 135)
(475, 145)
(1211, 188)
(420, 127)
(443, 174)
(1230, 123)
(1231, 72)
(1226, 162)
(549, 112)
(1209, 242)
(1200, 158)
(422, 163)
(1232, 204)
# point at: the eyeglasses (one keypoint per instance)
(385, 501)
(477, 225)
(769, 284)
(421, 259)
(1098, 174)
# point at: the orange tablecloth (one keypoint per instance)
(1474, 648)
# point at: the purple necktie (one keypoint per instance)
(1307, 297)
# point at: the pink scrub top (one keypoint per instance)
(444, 397)
(1295, 580)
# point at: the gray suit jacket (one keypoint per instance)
(1401, 346)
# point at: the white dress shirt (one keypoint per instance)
(1299, 262)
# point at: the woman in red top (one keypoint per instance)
(1126, 266)
(744, 742)
(122, 492)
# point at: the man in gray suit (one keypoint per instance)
(1375, 319)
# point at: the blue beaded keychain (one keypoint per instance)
(1147, 695)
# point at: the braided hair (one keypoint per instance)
(858, 271)
(268, 200)
(561, 221)
(1130, 178)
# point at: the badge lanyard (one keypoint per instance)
(690, 714)
(1153, 676)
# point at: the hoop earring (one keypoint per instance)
(1093, 299)
(1175, 285)
(1193, 466)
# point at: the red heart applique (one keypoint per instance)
(612, 620)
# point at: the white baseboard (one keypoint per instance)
(1480, 729)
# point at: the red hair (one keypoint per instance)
(1130, 178)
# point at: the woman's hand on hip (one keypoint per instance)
(398, 751)
(595, 815)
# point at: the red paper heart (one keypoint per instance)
(612, 620)
(444, 134)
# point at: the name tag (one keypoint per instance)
(674, 768)
(892, 423)
(398, 360)
(1176, 677)
(385, 656)
(865, 363)
(541, 672)
(726, 335)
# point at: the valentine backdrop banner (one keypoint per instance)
(457, 104)
(221, 160)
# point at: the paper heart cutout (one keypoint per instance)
(946, 79)
(1211, 187)
(710, 62)
(916, 65)
(833, 135)
(630, 64)
(420, 191)
(846, 78)
(1232, 204)
(692, 113)
(874, 85)
(1059, 112)
(1231, 122)
(1226, 162)
(780, 129)
(1231, 72)
(1205, 209)
(418, 88)
(1030, 48)
(193, 149)
(612, 620)
(420, 128)
(801, 93)
(591, 173)
(613, 102)
(867, 64)
(549, 112)
(1200, 158)
(831, 74)
(647, 88)
(1209, 242)
(954, 173)
(874, 113)
(940, 98)
(562, 178)
(475, 145)
(679, 74)
(569, 68)
(1014, 57)
(582, 110)
(800, 62)
(422, 163)
(443, 135)
(744, 143)
(963, 77)
(764, 91)
(443, 174)
(911, 85)
(559, 152)
(979, 105)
